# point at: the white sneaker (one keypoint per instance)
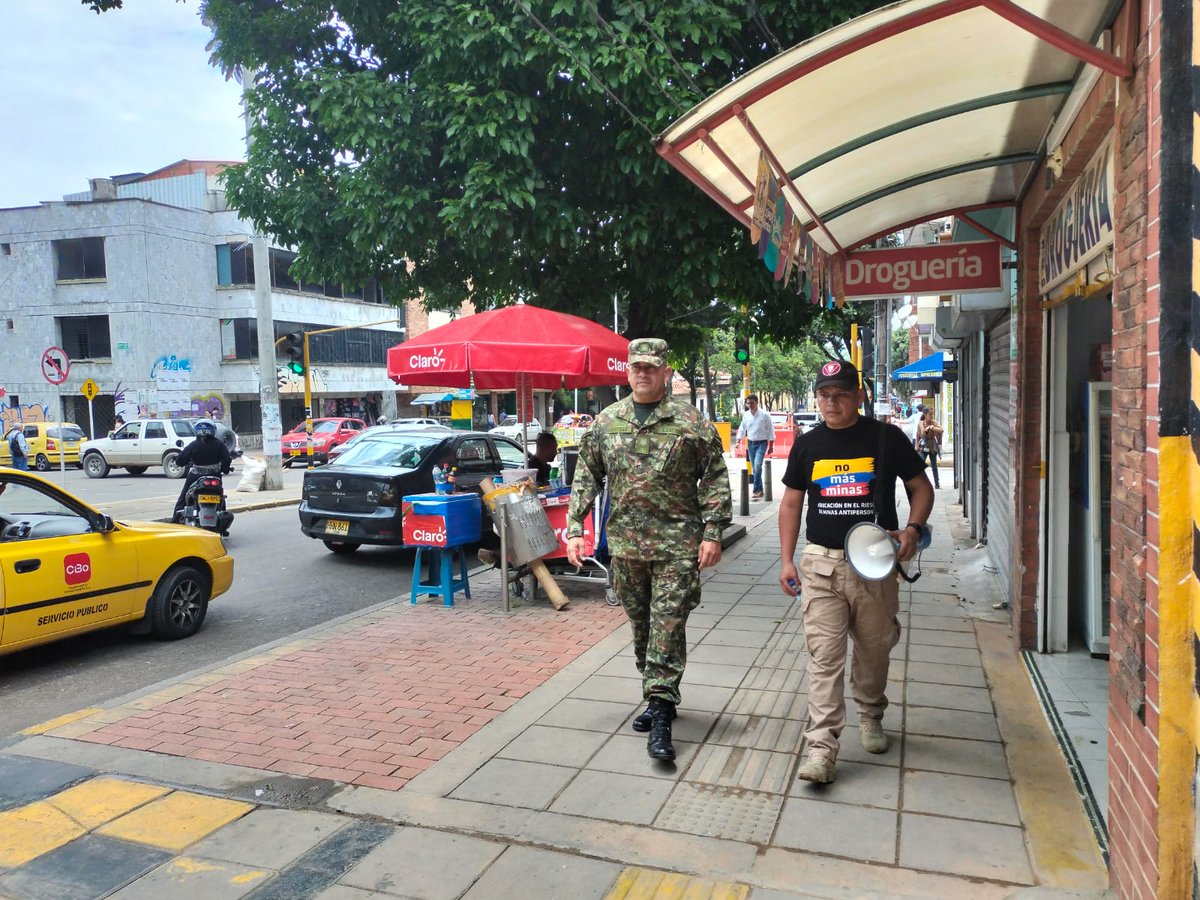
(818, 767)
(874, 739)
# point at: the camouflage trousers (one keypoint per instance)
(658, 595)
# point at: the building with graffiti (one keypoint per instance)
(145, 283)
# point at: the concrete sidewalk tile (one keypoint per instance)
(606, 687)
(731, 637)
(740, 767)
(187, 877)
(758, 732)
(954, 656)
(269, 837)
(952, 723)
(723, 655)
(418, 862)
(510, 782)
(750, 623)
(615, 797)
(626, 753)
(29, 831)
(858, 783)
(941, 623)
(785, 680)
(962, 757)
(934, 638)
(773, 704)
(703, 697)
(691, 724)
(850, 748)
(764, 610)
(619, 667)
(714, 674)
(838, 829)
(318, 869)
(557, 746)
(976, 849)
(940, 673)
(84, 869)
(61, 721)
(721, 812)
(523, 872)
(24, 779)
(949, 696)
(636, 883)
(587, 715)
(176, 821)
(345, 892)
(101, 800)
(963, 796)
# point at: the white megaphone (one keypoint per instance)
(871, 551)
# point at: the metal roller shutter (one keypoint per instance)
(999, 418)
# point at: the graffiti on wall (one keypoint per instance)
(25, 413)
(172, 377)
(133, 404)
(291, 383)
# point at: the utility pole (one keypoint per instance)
(268, 380)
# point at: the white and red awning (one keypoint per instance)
(922, 109)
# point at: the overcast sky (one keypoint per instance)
(87, 96)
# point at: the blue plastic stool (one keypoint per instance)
(441, 562)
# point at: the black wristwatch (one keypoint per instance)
(921, 530)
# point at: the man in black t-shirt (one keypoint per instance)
(847, 467)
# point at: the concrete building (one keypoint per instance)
(146, 284)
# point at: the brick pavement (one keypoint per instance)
(375, 704)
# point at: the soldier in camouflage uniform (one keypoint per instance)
(669, 504)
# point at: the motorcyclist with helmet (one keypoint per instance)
(203, 456)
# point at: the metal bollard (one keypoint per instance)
(744, 498)
(767, 480)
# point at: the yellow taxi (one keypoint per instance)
(67, 568)
(50, 444)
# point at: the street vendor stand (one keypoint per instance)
(519, 347)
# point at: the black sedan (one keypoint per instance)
(356, 500)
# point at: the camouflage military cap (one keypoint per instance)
(652, 351)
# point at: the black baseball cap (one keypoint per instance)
(837, 373)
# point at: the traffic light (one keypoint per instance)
(293, 349)
(741, 349)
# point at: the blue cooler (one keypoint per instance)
(441, 520)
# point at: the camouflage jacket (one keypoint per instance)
(667, 481)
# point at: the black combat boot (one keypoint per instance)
(641, 722)
(659, 745)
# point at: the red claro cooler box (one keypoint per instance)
(441, 520)
(556, 506)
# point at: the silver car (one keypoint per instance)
(138, 445)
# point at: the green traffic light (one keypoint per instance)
(742, 356)
(296, 367)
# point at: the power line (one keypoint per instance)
(645, 63)
(662, 43)
(584, 66)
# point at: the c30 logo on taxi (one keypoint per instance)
(77, 568)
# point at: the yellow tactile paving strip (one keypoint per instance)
(145, 813)
(29, 831)
(636, 883)
(176, 821)
(101, 800)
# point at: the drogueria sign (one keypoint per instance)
(967, 268)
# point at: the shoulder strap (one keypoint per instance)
(879, 471)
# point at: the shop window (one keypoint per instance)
(79, 259)
(85, 337)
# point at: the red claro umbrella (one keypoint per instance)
(516, 346)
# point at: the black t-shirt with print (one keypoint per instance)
(836, 468)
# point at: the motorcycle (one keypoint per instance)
(204, 502)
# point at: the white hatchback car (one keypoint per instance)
(513, 429)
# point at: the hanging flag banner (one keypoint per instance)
(968, 268)
(764, 211)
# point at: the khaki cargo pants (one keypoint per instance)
(837, 605)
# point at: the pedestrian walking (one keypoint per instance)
(848, 472)
(929, 443)
(18, 448)
(759, 432)
(669, 503)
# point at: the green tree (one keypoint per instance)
(503, 151)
